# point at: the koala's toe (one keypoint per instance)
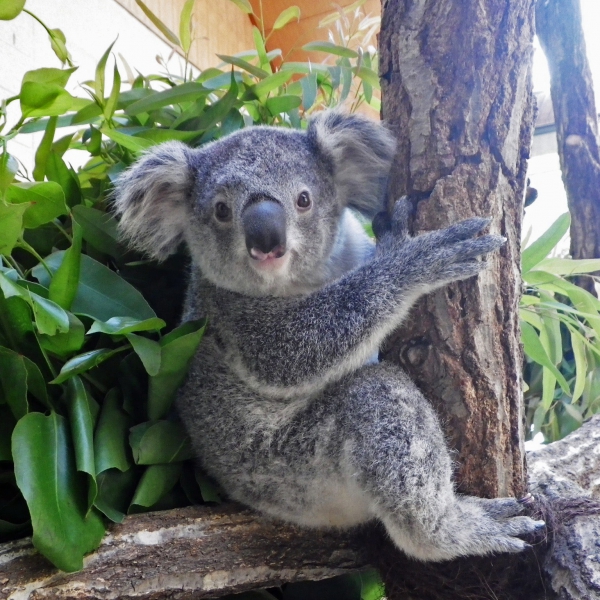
(522, 526)
(500, 508)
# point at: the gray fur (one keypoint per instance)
(281, 405)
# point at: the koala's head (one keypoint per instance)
(260, 209)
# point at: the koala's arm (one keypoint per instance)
(290, 346)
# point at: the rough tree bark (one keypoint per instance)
(558, 24)
(456, 90)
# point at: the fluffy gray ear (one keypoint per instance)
(152, 198)
(362, 151)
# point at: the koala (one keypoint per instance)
(285, 404)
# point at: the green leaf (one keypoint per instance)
(159, 24)
(11, 217)
(124, 325)
(99, 229)
(537, 251)
(46, 475)
(177, 349)
(83, 411)
(185, 25)
(7, 424)
(149, 352)
(156, 481)
(581, 364)
(282, 104)
(84, 362)
(46, 201)
(242, 64)
(569, 266)
(208, 489)
(49, 76)
(102, 294)
(287, 15)
(57, 171)
(100, 69)
(13, 382)
(259, 43)
(44, 100)
(65, 282)
(58, 43)
(368, 76)
(43, 151)
(309, 90)
(115, 490)
(330, 48)
(67, 343)
(186, 92)
(111, 103)
(160, 443)
(8, 169)
(127, 141)
(9, 9)
(111, 450)
(244, 5)
(272, 82)
(534, 349)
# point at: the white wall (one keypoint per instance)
(90, 26)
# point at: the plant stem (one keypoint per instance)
(23, 244)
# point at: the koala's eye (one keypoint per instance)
(222, 211)
(303, 202)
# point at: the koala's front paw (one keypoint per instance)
(438, 257)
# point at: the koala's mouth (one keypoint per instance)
(269, 261)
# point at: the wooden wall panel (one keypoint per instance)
(219, 26)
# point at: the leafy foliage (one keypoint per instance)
(90, 352)
(560, 325)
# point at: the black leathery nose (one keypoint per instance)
(264, 226)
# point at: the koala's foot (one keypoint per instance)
(468, 527)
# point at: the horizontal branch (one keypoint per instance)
(199, 552)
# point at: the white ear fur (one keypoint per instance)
(152, 199)
(362, 151)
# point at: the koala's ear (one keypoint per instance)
(152, 198)
(362, 151)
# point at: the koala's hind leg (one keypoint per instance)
(399, 457)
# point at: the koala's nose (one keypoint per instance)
(264, 227)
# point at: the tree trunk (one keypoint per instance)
(558, 24)
(456, 90)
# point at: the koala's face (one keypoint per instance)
(260, 210)
(264, 212)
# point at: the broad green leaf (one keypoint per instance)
(158, 136)
(185, 25)
(259, 44)
(43, 151)
(8, 169)
(208, 489)
(57, 171)
(305, 67)
(46, 475)
(83, 412)
(222, 81)
(177, 349)
(44, 100)
(330, 48)
(159, 24)
(309, 90)
(569, 266)
(65, 282)
(13, 382)
(99, 229)
(287, 15)
(548, 388)
(9, 9)
(100, 69)
(371, 585)
(124, 325)
(84, 362)
(367, 75)
(581, 364)
(49, 76)
(67, 343)
(156, 481)
(149, 352)
(217, 112)
(102, 294)
(115, 490)
(242, 64)
(282, 104)
(16, 325)
(111, 450)
(11, 217)
(243, 5)
(160, 443)
(44, 201)
(552, 337)
(270, 83)
(534, 349)
(538, 250)
(127, 141)
(7, 424)
(58, 43)
(111, 103)
(186, 92)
